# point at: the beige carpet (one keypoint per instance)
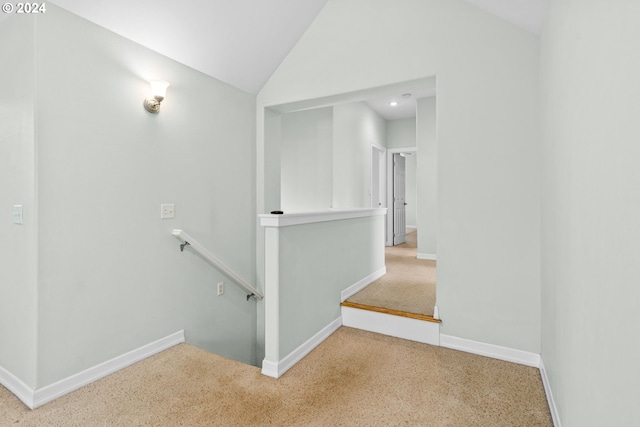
(354, 378)
(409, 285)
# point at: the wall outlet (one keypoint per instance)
(167, 211)
(220, 288)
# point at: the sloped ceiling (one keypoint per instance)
(240, 42)
(526, 14)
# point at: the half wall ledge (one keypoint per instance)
(296, 218)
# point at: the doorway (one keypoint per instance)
(399, 199)
(397, 194)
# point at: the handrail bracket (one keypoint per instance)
(187, 240)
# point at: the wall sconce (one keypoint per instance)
(158, 91)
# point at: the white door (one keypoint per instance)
(399, 203)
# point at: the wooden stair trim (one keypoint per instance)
(390, 311)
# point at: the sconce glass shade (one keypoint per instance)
(158, 92)
(158, 88)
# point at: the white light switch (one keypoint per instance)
(16, 213)
(167, 211)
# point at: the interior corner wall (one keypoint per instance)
(488, 152)
(590, 209)
(427, 177)
(270, 178)
(306, 160)
(112, 277)
(356, 126)
(18, 275)
(401, 133)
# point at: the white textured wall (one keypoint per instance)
(427, 177)
(487, 73)
(411, 194)
(17, 187)
(111, 275)
(591, 210)
(316, 263)
(355, 127)
(401, 133)
(306, 160)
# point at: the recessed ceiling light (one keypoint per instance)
(393, 103)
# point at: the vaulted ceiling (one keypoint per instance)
(240, 42)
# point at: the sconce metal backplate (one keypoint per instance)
(152, 105)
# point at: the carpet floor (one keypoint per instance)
(409, 285)
(354, 378)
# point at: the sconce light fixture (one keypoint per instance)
(158, 91)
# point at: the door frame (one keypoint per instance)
(390, 153)
(380, 152)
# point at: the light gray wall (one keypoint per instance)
(427, 177)
(488, 172)
(272, 151)
(355, 127)
(306, 161)
(317, 262)
(401, 133)
(591, 210)
(17, 187)
(268, 199)
(111, 275)
(312, 160)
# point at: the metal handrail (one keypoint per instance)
(211, 259)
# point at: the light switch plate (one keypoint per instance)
(16, 213)
(167, 211)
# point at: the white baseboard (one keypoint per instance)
(555, 416)
(35, 398)
(394, 326)
(362, 283)
(60, 388)
(411, 226)
(16, 386)
(430, 257)
(276, 369)
(270, 369)
(509, 355)
(491, 350)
